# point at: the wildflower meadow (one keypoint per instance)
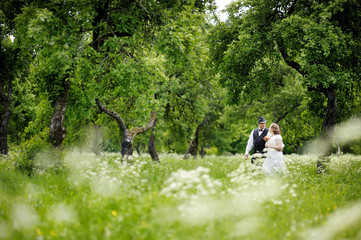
(131, 119)
(216, 197)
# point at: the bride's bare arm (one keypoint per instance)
(278, 145)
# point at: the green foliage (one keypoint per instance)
(262, 35)
(190, 89)
(40, 121)
(140, 56)
(25, 154)
(23, 111)
(283, 100)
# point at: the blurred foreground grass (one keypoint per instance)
(87, 197)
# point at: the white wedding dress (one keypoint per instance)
(274, 163)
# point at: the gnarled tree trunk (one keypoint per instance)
(193, 146)
(331, 112)
(128, 134)
(6, 117)
(138, 149)
(96, 137)
(57, 130)
(151, 147)
(327, 126)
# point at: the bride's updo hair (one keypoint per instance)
(275, 128)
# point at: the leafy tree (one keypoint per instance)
(189, 85)
(102, 48)
(7, 75)
(53, 32)
(11, 65)
(153, 63)
(282, 100)
(318, 39)
(128, 134)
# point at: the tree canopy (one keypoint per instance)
(318, 39)
(295, 62)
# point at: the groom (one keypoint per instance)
(257, 142)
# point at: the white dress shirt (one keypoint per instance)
(250, 143)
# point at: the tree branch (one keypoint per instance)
(150, 124)
(283, 116)
(287, 59)
(112, 114)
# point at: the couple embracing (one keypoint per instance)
(267, 143)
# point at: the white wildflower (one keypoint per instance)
(24, 216)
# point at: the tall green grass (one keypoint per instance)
(211, 198)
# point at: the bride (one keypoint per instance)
(274, 163)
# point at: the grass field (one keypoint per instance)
(86, 197)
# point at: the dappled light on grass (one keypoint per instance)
(222, 197)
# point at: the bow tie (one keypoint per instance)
(261, 130)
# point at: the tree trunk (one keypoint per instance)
(296, 148)
(96, 137)
(202, 152)
(101, 9)
(128, 135)
(327, 127)
(331, 112)
(193, 146)
(5, 119)
(127, 147)
(151, 147)
(138, 149)
(57, 130)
